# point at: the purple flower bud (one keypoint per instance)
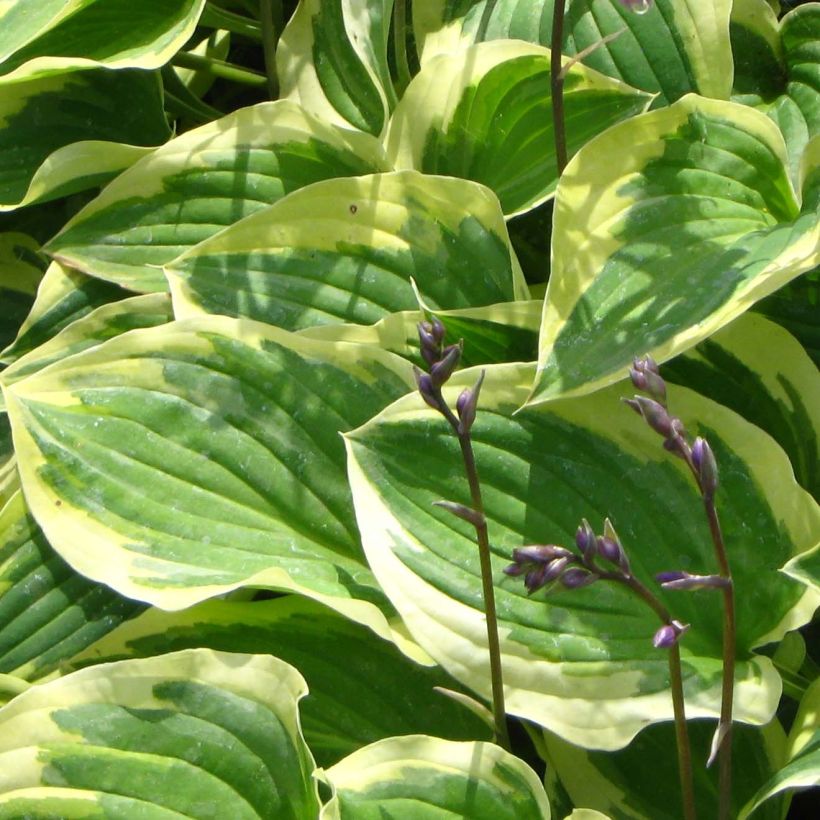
(443, 369)
(426, 388)
(540, 553)
(437, 329)
(654, 413)
(468, 514)
(684, 580)
(646, 376)
(703, 459)
(430, 346)
(669, 634)
(466, 405)
(575, 578)
(540, 575)
(609, 550)
(665, 637)
(585, 539)
(671, 575)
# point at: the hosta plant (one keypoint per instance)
(226, 587)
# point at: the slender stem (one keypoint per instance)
(681, 735)
(727, 694)
(215, 17)
(481, 34)
(678, 705)
(269, 39)
(229, 71)
(400, 45)
(493, 646)
(557, 87)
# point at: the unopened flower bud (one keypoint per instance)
(441, 371)
(585, 539)
(703, 459)
(437, 329)
(466, 405)
(669, 634)
(684, 580)
(610, 548)
(426, 388)
(463, 512)
(575, 578)
(646, 376)
(654, 413)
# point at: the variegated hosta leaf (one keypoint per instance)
(64, 295)
(42, 37)
(197, 734)
(805, 568)
(677, 47)
(183, 461)
(9, 480)
(795, 307)
(694, 223)
(339, 659)
(20, 273)
(760, 371)
(345, 250)
(104, 323)
(581, 663)
(803, 767)
(426, 777)
(507, 332)
(641, 781)
(485, 114)
(778, 69)
(200, 182)
(332, 59)
(48, 613)
(70, 132)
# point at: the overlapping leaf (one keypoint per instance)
(20, 274)
(201, 182)
(803, 767)
(102, 324)
(542, 470)
(778, 69)
(346, 250)
(506, 332)
(795, 307)
(40, 37)
(641, 781)
(362, 689)
(695, 222)
(63, 296)
(677, 47)
(332, 59)
(179, 462)
(485, 114)
(71, 132)
(427, 777)
(196, 734)
(48, 613)
(760, 371)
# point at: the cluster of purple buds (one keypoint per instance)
(541, 564)
(646, 376)
(442, 362)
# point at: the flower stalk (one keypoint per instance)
(701, 461)
(553, 564)
(442, 362)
